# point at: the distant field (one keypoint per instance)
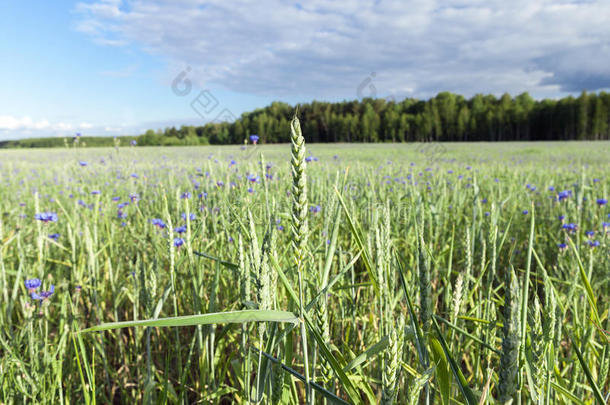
(456, 272)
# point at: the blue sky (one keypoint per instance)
(108, 67)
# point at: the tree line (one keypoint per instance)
(447, 117)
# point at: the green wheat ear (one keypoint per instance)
(509, 360)
(299, 192)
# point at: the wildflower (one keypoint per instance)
(280, 228)
(562, 247)
(593, 243)
(46, 217)
(134, 198)
(121, 215)
(96, 192)
(602, 201)
(134, 175)
(250, 190)
(32, 284)
(122, 205)
(192, 216)
(82, 163)
(220, 183)
(181, 229)
(570, 227)
(589, 234)
(178, 242)
(158, 222)
(486, 213)
(54, 236)
(561, 218)
(562, 195)
(232, 162)
(315, 209)
(525, 212)
(78, 134)
(115, 199)
(186, 195)
(254, 138)
(134, 143)
(551, 188)
(484, 201)
(43, 294)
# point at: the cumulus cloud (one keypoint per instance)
(326, 49)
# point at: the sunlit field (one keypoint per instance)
(468, 273)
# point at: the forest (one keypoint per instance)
(447, 117)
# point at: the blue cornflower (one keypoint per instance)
(54, 236)
(192, 216)
(525, 212)
(32, 284)
(593, 243)
(135, 175)
(158, 222)
(46, 217)
(551, 188)
(82, 163)
(186, 195)
(562, 195)
(43, 294)
(589, 234)
(115, 199)
(134, 143)
(602, 201)
(250, 190)
(134, 197)
(570, 227)
(315, 209)
(96, 192)
(122, 205)
(562, 246)
(309, 159)
(253, 178)
(254, 138)
(121, 215)
(220, 183)
(178, 242)
(486, 213)
(181, 229)
(561, 217)
(232, 162)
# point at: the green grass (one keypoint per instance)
(134, 319)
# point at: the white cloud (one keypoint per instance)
(18, 127)
(326, 49)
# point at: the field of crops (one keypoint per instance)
(410, 274)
